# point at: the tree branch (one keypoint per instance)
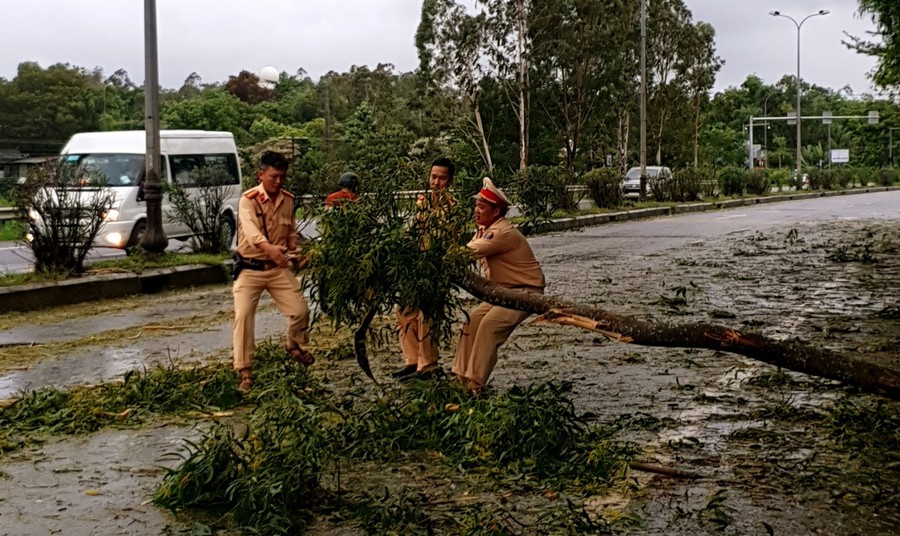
(794, 355)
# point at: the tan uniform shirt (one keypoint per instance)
(505, 256)
(264, 219)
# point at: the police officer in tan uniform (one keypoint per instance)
(266, 245)
(420, 352)
(507, 260)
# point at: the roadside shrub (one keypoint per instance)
(661, 188)
(709, 185)
(733, 180)
(779, 177)
(64, 206)
(201, 209)
(862, 175)
(539, 192)
(842, 177)
(605, 186)
(884, 177)
(820, 179)
(757, 182)
(7, 187)
(685, 185)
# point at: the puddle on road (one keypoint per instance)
(94, 364)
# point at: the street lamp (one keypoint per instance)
(891, 145)
(799, 90)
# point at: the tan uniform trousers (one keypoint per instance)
(285, 291)
(488, 327)
(415, 340)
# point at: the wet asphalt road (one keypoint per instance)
(651, 236)
(707, 395)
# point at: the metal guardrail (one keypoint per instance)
(9, 213)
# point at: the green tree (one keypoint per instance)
(885, 15)
(451, 46)
(213, 109)
(46, 106)
(582, 42)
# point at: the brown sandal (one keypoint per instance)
(246, 380)
(300, 355)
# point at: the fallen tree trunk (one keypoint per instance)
(793, 355)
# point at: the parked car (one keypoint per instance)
(631, 184)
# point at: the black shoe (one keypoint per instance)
(422, 376)
(408, 370)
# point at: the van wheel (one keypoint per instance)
(227, 230)
(136, 234)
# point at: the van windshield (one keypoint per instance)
(108, 169)
(635, 173)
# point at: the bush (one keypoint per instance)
(733, 180)
(690, 184)
(605, 186)
(842, 177)
(884, 177)
(64, 206)
(863, 175)
(540, 191)
(201, 209)
(779, 177)
(757, 182)
(820, 179)
(709, 186)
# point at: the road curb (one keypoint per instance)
(567, 224)
(32, 296)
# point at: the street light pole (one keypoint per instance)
(799, 87)
(766, 131)
(643, 194)
(154, 239)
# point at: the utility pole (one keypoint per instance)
(643, 99)
(154, 240)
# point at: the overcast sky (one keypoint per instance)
(218, 38)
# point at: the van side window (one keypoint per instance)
(184, 167)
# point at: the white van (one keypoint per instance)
(119, 156)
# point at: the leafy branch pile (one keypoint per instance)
(384, 251)
(80, 410)
(271, 475)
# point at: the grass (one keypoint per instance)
(135, 263)
(11, 230)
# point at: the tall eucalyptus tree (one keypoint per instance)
(452, 46)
